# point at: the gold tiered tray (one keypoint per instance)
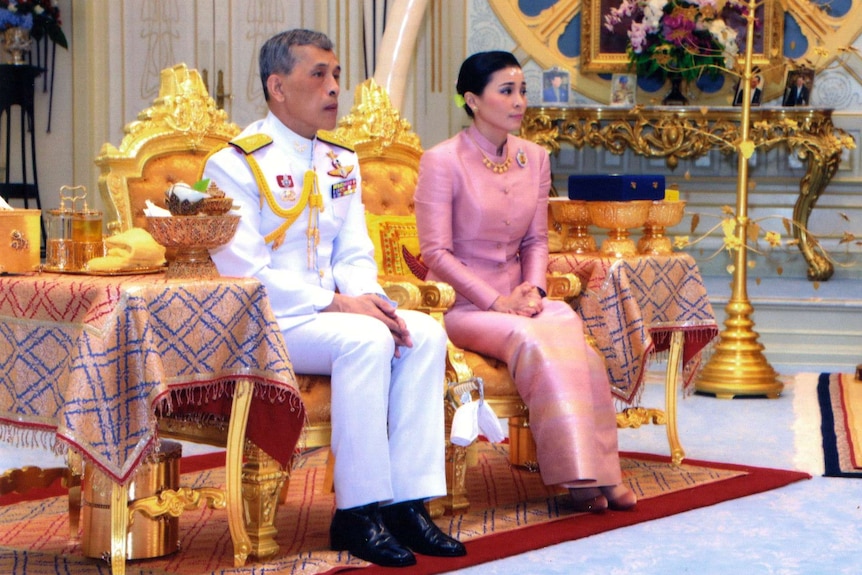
(192, 237)
(662, 214)
(618, 218)
(574, 217)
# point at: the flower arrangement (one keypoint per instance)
(679, 37)
(40, 17)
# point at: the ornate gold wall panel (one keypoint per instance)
(824, 35)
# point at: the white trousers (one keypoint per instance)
(387, 412)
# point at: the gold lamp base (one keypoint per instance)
(739, 368)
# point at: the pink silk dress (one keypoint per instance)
(484, 233)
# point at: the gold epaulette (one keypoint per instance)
(331, 138)
(252, 143)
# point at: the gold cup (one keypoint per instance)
(618, 218)
(662, 214)
(574, 217)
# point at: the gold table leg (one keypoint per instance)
(119, 527)
(233, 483)
(637, 416)
(190, 498)
(674, 360)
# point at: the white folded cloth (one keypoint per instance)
(154, 211)
(473, 416)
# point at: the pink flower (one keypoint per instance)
(638, 36)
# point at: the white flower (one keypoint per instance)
(653, 13)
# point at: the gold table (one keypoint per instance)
(676, 133)
(88, 363)
(636, 307)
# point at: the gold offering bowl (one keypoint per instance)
(191, 238)
(618, 218)
(662, 214)
(574, 217)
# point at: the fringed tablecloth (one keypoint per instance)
(90, 361)
(631, 306)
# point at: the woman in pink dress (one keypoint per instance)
(482, 214)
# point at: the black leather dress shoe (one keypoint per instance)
(410, 523)
(361, 531)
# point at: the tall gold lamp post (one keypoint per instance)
(738, 366)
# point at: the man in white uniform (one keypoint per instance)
(303, 235)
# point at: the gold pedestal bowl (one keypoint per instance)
(574, 217)
(662, 214)
(618, 218)
(190, 239)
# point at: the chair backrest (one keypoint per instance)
(389, 153)
(172, 139)
(168, 143)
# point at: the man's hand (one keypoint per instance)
(375, 306)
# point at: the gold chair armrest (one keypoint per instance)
(563, 286)
(404, 293)
(434, 297)
(437, 297)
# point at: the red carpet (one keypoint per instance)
(512, 512)
(754, 480)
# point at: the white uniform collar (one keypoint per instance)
(289, 141)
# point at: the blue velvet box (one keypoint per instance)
(616, 187)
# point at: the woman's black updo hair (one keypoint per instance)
(476, 72)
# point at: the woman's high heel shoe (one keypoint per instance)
(588, 500)
(619, 497)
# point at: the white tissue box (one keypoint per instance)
(20, 237)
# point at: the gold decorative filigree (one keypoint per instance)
(174, 502)
(636, 416)
(373, 124)
(689, 133)
(182, 120)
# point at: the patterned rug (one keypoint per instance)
(840, 399)
(511, 512)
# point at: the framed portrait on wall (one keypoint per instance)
(798, 85)
(555, 87)
(623, 90)
(756, 94)
(603, 50)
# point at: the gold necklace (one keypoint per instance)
(493, 166)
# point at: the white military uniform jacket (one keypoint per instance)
(387, 412)
(343, 257)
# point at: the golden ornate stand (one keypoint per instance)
(676, 133)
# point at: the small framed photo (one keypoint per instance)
(623, 90)
(756, 90)
(797, 87)
(555, 87)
